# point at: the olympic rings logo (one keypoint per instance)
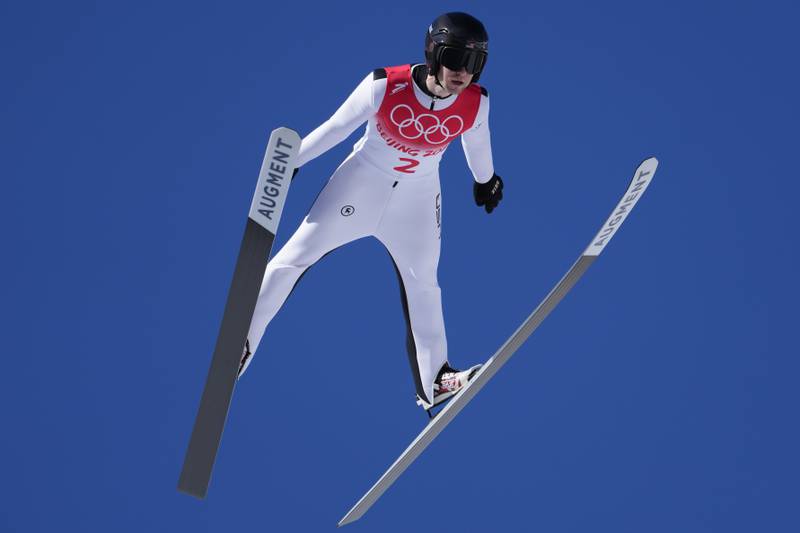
(425, 125)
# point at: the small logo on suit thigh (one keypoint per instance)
(348, 210)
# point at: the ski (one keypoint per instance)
(641, 180)
(262, 223)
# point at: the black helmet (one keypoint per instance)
(456, 40)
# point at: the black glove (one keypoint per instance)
(489, 194)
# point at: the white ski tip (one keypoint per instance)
(275, 177)
(641, 180)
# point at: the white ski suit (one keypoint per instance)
(388, 188)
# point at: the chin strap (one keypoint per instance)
(436, 79)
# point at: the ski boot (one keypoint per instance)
(247, 356)
(447, 384)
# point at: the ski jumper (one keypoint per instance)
(388, 188)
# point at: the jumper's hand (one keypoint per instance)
(489, 194)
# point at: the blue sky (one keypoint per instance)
(660, 396)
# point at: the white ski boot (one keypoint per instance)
(447, 384)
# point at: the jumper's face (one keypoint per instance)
(454, 81)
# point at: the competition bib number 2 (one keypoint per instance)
(408, 166)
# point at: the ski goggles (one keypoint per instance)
(457, 58)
